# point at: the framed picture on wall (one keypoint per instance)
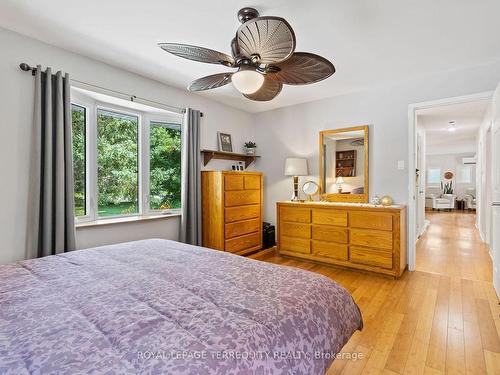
(225, 143)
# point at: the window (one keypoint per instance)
(164, 165)
(117, 163)
(79, 129)
(126, 162)
(433, 176)
(464, 174)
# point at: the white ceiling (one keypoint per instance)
(370, 42)
(468, 118)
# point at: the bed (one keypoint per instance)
(162, 307)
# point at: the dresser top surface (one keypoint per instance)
(256, 173)
(316, 204)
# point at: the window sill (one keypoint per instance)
(128, 219)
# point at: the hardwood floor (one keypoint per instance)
(441, 319)
(451, 245)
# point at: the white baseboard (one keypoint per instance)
(426, 224)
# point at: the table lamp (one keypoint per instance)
(296, 167)
(339, 183)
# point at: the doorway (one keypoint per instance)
(433, 182)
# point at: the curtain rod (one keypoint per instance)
(133, 98)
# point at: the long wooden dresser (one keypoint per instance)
(232, 210)
(365, 237)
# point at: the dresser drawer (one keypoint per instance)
(251, 182)
(371, 220)
(233, 182)
(241, 197)
(329, 217)
(241, 213)
(329, 250)
(297, 245)
(239, 228)
(371, 238)
(371, 257)
(298, 215)
(243, 242)
(295, 230)
(329, 233)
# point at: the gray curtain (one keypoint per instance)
(51, 229)
(190, 231)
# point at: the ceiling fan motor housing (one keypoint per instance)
(246, 14)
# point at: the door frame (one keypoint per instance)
(412, 139)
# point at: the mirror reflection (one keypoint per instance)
(343, 162)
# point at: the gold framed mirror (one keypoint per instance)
(344, 164)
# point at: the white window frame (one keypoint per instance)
(88, 203)
(143, 150)
(433, 184)
(123, 111)
(164, 118)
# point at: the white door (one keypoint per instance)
(495, 145)
(495, 156)
(495, 238)
(420, 184)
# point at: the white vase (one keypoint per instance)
(250, 150)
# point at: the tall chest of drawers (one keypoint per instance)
(355, 236)
(232, 210)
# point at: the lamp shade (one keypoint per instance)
(340, 180)
(296, 167)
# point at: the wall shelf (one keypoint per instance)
(223, 155)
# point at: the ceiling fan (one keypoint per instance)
(263, 52)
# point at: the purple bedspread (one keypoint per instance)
(162, 307)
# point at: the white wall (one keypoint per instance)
(293, 131)
(450, 162)
(16, 107)
(455, 147)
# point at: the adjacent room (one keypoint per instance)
(448, 184)
(221, 187)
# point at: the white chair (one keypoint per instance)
(443, 202)
(470, 199)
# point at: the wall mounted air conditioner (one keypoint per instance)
(468, 161)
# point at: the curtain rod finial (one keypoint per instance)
(25, 67)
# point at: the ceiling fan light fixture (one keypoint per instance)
(247, 81)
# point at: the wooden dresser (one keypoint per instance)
(356, 236)
(232, 210)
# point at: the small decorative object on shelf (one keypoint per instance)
(386, 200)
(375, 200)
(250, 147)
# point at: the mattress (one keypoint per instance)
(162, 307)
